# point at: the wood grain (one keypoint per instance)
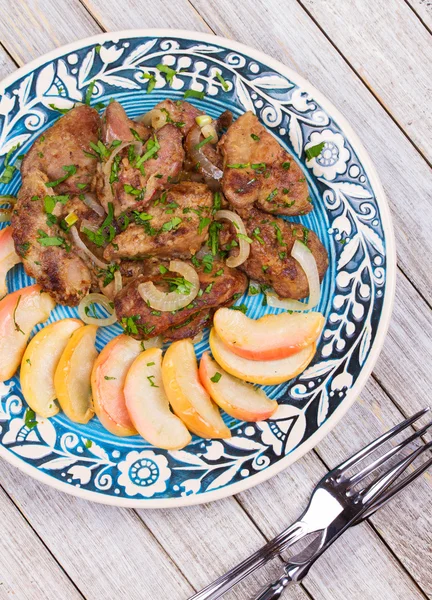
(106, 551)
(27, 569)
(423, 9)
(7, 66)
(383, 56)
(287, 35)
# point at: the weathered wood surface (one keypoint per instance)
(77, 549)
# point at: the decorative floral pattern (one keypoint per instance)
(346, 217)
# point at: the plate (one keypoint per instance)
(350, 215)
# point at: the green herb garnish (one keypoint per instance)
(194, 94)
(314, 151)
(216, 377)
(70, 170)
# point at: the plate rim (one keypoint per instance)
(389, 294)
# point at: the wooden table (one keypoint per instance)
(373, 61)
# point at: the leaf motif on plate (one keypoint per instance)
(45, 79)
(243, 443)
(46, 431)
(348, 251)
(86, 67)
(296, 433)
(32, 451)
(122, 82)
(243, 95)
(188, 458)
(140, 51)
(58, 463)
(354, 190)
(98, 451)
(207, 49)
(19, 139)
(365, 345)
(295, 135)
(321, 368)
(223, 479)
(323, 407)
(83, 474)
(373, 238)
(24, 90)
(271, 82)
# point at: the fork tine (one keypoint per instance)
(382, 459)
(376, 488)
(395, 489)
(378, 442)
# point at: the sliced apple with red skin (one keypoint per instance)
(271, 337)
(108, 380)
(148, 405)
(19, 313)
(188, 399)
(268, 372)
(72, 375)
(8, 257)
(39, 363)
(239, 399)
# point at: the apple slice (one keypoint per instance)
(72, 375)
(187, 397)
(148, 404)
(271, 337)
(19, 313)
(237, 398)
(268, 372)
(108, 379)
(8, 257)
(39, 363)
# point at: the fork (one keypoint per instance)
(332, 508)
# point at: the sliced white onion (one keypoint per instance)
(106, 169)
(154, 342)
(90, 201)
(118, 283)
(307, 261)
(155, 118)
(82, 250)
(96, 299)
(5, 215)
(244, 246)
(88, 225)
(198, 338)
(210, 131)
(208, 169)
(172, 300)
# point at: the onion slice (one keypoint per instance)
(172, 300)
(96, 299)
(207, 168)
(155, 118)
(307, 261)
(5, 215)
(90, 201)
(244, 246)
(83, 251)
(118, 283)
(106, 169)
(154, 342)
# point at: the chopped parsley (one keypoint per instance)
(207, 262)
(168, 72)
(271, 196)
(217, 202)
(255, 137)
(238, 166)
(152, 383)
(109, 378)
(282, 255)
(203, 142)
(150, 364)
(253, 291)
(151, 81)
(30, 418)
(89, 92)
(214, 237)
(152, 148)
(88, 444)
(256, 234)
(194, 94)
(222, 81)
(216, 377)
(172, 224)
(45, 240)
(208, 288)
(63, 111)
(204, 221)
(314, 151)
(180, 285)
(9, 170)
(241, 307)
(108, 274)
(260, 167)
(244, 237)
(133, 191)
(286, 165)
(279, 235)
(163, 269)
(70, 170)
(129, 324)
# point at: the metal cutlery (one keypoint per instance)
(333, 507)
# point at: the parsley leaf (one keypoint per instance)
(70, 170)
(194, 94)
(216, 377)
(314, 151)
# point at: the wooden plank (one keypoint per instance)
(406, 523)
(136, 14)
(393, 56)
(208, 540)
(29, 28)
(404, 364)
(423, 9)
(292, 37)
(106, 551)
(7, 65)
(27, 569)
(358, 566)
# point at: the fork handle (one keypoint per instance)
(293, 573)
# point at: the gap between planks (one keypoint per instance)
(419, 17)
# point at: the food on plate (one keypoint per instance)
(266, 372)
(218, 286)
(20, 311)
(72, 375)
(269, 338)
(237, 398)
(148, 405)
(160, 220)
(188, 398)
(39, 364)
(107, 381)
(257, 170)
(8, 257)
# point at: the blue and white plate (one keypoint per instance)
(350, 215)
